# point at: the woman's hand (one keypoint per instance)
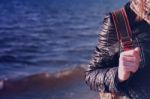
(129, 62)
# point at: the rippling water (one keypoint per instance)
(48, 35)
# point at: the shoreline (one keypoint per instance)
(68, 81)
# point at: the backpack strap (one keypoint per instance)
(123, 29)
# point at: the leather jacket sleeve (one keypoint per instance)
(101, 73)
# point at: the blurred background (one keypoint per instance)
(45, 44)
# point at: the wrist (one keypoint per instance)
(123, 76)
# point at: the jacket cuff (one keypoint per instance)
(120, 86)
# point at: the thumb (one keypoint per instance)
(137, 49)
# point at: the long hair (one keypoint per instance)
(142, 8)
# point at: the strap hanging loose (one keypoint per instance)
(123, 29)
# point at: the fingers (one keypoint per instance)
(132, 53)
(137, 50)
(138, 53)
(130, 59)
(130, 66)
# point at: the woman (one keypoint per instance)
(126, 73)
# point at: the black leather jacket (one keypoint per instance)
(101, 73)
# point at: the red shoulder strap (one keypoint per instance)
(123, 29)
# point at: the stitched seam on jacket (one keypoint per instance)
(104, 80)
(107, 43)
(108, 38)
(95, 84)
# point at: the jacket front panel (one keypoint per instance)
(139, 85)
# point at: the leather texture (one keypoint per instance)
(101, 74)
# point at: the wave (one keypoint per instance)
(44, 80)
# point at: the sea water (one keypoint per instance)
(38, 36)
